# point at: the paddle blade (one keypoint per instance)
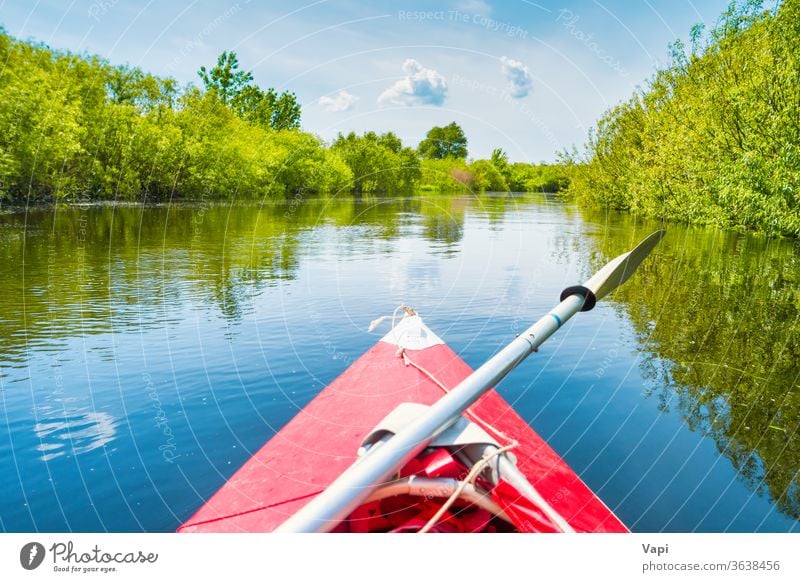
(620, 269)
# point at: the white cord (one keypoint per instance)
(473, 473)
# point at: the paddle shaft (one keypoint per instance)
(382, 461)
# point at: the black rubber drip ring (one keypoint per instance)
(589, 297)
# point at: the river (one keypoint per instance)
(147, 352)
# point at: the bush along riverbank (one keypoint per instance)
(713, 138)
(75, 127)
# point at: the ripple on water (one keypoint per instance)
(74, 433)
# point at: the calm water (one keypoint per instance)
(145, 354)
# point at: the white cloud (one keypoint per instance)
(520, 80)
(420, 86)
(342, 101)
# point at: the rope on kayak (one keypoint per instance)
(247, 511)
(485, 425)
(376, 322)
(469, 480)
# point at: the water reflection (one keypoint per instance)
(90, 270)
(718, 319)
(72, 432)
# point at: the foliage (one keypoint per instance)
(444, 142)
(714, 138)
(499, 159)
(74, 127)
(445, 175)
(537, 178)
(233, 87)
(486, 177)
(225, 79)
(495, 174)
(378, 163)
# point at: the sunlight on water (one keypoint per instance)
(74, 434)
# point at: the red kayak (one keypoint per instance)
(409, 365)
(410, 439)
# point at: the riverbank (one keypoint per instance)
(427, 191)
(76, 128)
(714, 137)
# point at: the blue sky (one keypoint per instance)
(527, 76)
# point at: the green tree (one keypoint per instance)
(267, 108)
(486, 177)
(500, 159)
(286, 113)
(409, 170)
(379, 163)
(390, 141)
(225, 79)
(444, 142)
(233, 87)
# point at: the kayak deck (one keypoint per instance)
(315, 447)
